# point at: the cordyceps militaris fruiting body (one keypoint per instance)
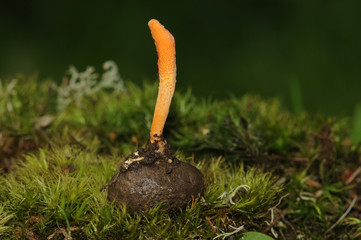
(152, 175)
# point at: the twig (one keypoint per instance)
(299, 159)
(282, 235)
(275, 206)
(280, 200)
(285, 220)
(294, 159)
(272, 224)
(352, 177)
(343, 216)
(211, 224)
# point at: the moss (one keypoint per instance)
(266, 169)
(60, 185)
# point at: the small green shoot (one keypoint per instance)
(356, 129)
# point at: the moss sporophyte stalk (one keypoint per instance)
(152, 175)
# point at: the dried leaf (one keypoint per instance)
(313, 183)
(43, 121)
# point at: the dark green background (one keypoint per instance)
(223, 47)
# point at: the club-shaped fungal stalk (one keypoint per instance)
(165, 44)
(146, 179)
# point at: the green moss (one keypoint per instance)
(60, 187)
(265, 169)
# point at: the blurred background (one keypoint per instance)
(306, 52)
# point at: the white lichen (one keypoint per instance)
(6, 94)
(80, 84)
(229, 234)
(273, 231)
(228, 197)
(129, 162)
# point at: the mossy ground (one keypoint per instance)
(266, 169)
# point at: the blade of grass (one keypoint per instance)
(296, 96)
(66, 220)
(356, 128)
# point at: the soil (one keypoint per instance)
(11, 147)
(147, 178)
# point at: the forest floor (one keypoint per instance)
(269, 173)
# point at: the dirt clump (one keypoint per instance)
(147, 178)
